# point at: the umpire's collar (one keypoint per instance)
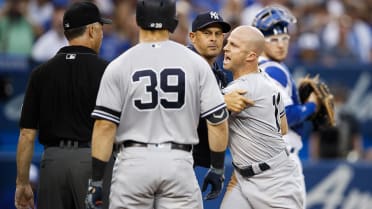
(76, 49)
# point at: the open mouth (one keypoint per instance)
(226, 59)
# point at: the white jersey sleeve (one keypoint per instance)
(208, 88)
(109, 101)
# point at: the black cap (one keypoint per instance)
(203, 20)
(82, 13)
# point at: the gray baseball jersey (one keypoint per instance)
(255, 137)
(156, 93)
(255, 132)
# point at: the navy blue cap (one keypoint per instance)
(205, 19)
(82, 13)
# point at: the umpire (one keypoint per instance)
(59, 99)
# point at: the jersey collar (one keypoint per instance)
(76, 49)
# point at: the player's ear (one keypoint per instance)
(192, 36)
(251, 55)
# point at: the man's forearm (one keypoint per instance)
(218, 135)
(103, 139)
(25, 151)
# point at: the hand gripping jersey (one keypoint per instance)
(255, 133)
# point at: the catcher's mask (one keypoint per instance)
(273, 20)
(156, 14)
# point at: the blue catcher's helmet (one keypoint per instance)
(273, 20)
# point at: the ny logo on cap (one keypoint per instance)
(67, 25)
(214, 15)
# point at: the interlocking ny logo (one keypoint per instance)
(214, 15)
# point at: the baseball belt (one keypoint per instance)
(67, 143)
(173, 145)
(256, 168)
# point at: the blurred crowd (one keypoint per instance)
(328, 32)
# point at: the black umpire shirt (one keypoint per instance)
(201, 152)
(61, 95)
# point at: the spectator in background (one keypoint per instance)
(180, 35)
(308, 46)
(205, 5)
(125, 20)
(6, 88)
(231, 11)
(115, 40)
(40, 12)
(122, 34)
(2, 2)
(360, 35)
(340, 50)
(51, 41)
(347, 36)
(16, 32)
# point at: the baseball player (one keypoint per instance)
(273, 22)
(59, 99)
(149, 102)
(263, 175)
(207, 35)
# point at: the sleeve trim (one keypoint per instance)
(212, 110)
(106, 114)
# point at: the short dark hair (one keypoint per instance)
(75, 32)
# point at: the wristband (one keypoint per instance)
(218, 159)
(98, 169)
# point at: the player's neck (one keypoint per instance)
(153, 35)
(210, 61)
(245, 70)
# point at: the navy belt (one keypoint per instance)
(247, 171)
(66, 143)
(184, 147)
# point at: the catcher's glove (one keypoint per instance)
(324, 116)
